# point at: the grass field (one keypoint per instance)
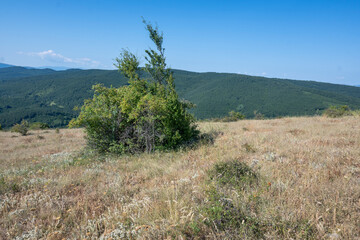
(307, 185)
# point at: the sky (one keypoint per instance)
(308, 39)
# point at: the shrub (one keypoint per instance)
(0, 127)
(258, 115)
(221, 211)
(38, 126)
(21, 128)
(233, 117)
(337, 111)
(143, 116)
(233, 173)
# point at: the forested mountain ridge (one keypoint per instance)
(4, 65)
(49, 96)
(9, 73)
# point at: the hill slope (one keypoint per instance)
(9, 73)
(49, 96)
(4, 65)
(51, 190)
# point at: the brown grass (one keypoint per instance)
(310, 171)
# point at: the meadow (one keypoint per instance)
(305, 171)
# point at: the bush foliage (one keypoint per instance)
(232, 117)
(21, 128)
(38, 126)
(337, 111)
(142, 116)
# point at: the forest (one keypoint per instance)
(49, 96)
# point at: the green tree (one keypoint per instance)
(145, 115)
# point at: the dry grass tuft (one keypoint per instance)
(309, 184)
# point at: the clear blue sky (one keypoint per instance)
(308, 39)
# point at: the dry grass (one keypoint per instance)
(309, 168)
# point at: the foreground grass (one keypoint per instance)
(304, 182)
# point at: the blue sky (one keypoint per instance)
(310, 40)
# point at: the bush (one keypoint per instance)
(38, 126)
(0, 127)
(221, 210)
(143, 116)
(233, 173)
(337, 111)
(21, 128)
(258, 115)
(233, 117)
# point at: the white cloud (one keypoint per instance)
(51, 56)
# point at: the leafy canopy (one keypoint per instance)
(145, 115)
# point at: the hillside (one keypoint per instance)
(49, 96)
(4, 65)
(9, 73)
(304, 185)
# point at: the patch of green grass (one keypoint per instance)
(233, 173)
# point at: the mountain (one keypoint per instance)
(9, 73)
(56, 68)
(49, 96)
(4, 65)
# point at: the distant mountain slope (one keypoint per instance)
(49, 96)
(4, 65)
(216, 94)
(10, 73)
(336, 88)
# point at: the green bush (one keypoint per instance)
(38, 126)
(21, 128)
(233, 173)
(143, 116)
(221, 211)
(258, 115)
(337, 111)
(233, 117)
(0, 127)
